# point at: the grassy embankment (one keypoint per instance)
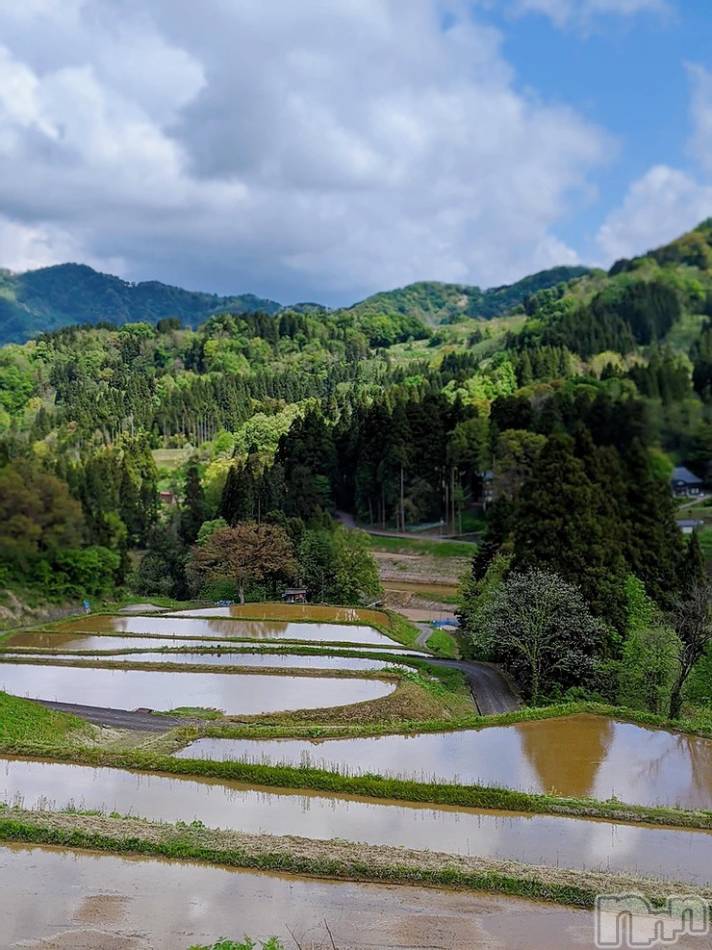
(427, 546)
(71, 744)
(24, 721)
(30, 729)
(330, 859)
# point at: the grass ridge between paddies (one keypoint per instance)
(21, 720)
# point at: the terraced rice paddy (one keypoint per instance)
(202, 627)
(536, 839)
(227, 658)
(76, 900)
(230, 693)
(578, 756)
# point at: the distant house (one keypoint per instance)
(168, 498)
(295, 595)
(684, 483)
(689, 525)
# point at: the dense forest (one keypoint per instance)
(147, 454)
(68, 294)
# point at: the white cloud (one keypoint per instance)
(24, 247)
(701, 142)
(660, 206)
(582, 12)
(665, 202)
(311, 149)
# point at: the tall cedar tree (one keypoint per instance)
(564, 526)
(194, 511)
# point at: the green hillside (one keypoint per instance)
(52, 297)
(435, 303)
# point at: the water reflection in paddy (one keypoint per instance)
(580, 756)
(109, 901)
(95, 643)
(229, 658)
(197, 627)
(232, 693)
(539, 839)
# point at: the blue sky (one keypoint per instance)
(327, 149)
(626, 73)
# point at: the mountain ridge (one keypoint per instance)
(49, 298)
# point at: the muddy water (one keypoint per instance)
(232, 693)
(581, 756)
(96, 643)
(83, 901)
(228, 658)
(536, 839)
(196, 628)
(294, 613)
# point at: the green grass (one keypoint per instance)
(705, 539)
(423, 546)
(246, 944)
(443, 644)
(320, 859)
(22, 720)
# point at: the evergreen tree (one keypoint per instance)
(194, 509)
(562, 526)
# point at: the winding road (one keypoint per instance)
(489, 687)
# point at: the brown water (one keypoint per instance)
(294, 613)
(228, 658)
(97, 643)
(580, 756)
(78, 900)
(536, 839)
(232, 693)
(197, 628)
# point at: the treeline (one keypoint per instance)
(619, 318)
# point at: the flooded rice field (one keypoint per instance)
(579, 756)
(198, 628)
(77, 900)
(286, 661)
(294, 613)
(536, 839)
(231, 693)
(104, 642)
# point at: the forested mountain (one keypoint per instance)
(576, 404)
(435, 303)
(52, 297)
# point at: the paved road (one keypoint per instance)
(490, 690)
(117, 718)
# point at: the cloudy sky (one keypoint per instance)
(324, 149)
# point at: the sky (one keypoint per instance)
(326, 149)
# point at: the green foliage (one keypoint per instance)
(433, 303)
(541, 629)
(640, 610)
(52, 297)
(337, 566)
(475, 597)
(648, 668)
(209, 528)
